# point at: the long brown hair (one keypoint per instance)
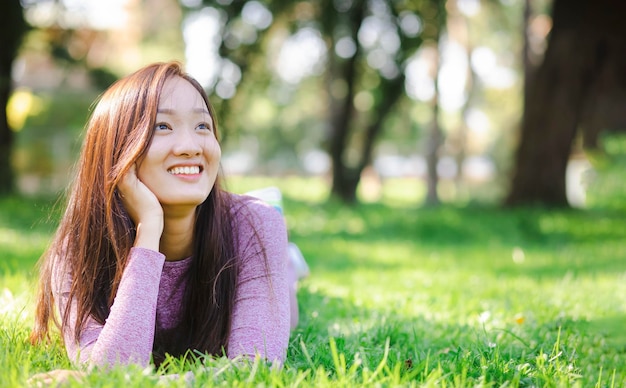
(95, 234)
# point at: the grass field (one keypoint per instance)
(398, 296)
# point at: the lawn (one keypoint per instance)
(398, 295)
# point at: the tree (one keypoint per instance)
(435, 134)
(342, 23)
(580, 84)
(12, 29)
(364, 77)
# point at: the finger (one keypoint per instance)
(128, 181)
(40, 380)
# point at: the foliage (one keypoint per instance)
(398, 296)
(277, 123)
(48, 143)
(365, 49)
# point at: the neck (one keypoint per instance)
(177, 238)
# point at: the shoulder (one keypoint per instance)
(260, 237)
(245, 207)
(254, 220)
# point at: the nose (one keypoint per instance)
(187, 143)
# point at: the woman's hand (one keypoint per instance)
(144, 209)
(56, 378)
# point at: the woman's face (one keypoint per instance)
(181, 164)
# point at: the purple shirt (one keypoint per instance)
(150, 295)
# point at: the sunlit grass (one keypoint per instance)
(509, 291)
(398, 295)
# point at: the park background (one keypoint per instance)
(452, 171)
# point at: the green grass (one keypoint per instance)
(398, 296)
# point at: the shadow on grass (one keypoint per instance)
(457, 226)
(603, 332)
(26, 227)
(554, 242)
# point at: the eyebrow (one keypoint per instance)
(171, 112)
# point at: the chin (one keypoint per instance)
(186, 200)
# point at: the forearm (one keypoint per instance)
(128, 334)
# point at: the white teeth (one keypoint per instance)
(187, 170)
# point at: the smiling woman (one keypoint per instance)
(152, 257)
(181, 165)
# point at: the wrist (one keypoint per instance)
(149, 235)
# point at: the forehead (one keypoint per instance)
(179, 94)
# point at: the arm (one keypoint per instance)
(128, 334)
(260, 323)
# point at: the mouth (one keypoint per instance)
(185, 170)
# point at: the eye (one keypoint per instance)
(204, 126)
(161, 127)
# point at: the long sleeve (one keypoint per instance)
(260, 323)
(128, 334)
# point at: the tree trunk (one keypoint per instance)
(555, 99)
(459, 30)
(527, 54)
(345, 180)
(435, 135)
(12, 28)
(435, 139)
(341, 112)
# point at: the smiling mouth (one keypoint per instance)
(187, 170)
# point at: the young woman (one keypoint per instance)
(152, 257)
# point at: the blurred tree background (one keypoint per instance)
(472, 100)
(12, 30)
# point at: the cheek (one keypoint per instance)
(213, 150)
(143, 173)
(147, 171)
(147, 164)
(218, 151)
